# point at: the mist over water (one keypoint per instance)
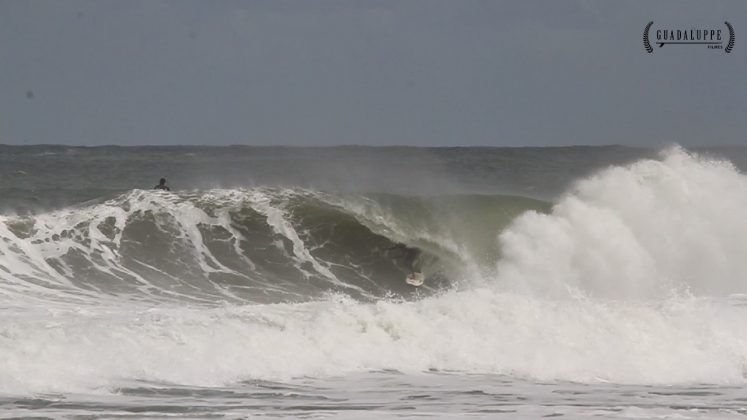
(633, 275)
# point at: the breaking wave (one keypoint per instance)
(635, 275)
(259, 245)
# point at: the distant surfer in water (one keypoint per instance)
(162, 185)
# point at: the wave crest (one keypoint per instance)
(256, 245)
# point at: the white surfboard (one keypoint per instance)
(415, 279)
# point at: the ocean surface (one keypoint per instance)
(604, 282)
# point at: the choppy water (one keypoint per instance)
(393, 395)
(604, 282)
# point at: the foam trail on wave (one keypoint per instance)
(187, 217)
(276, 219)
(79, 234)
(25, 272)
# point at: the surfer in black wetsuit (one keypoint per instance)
(162, 185)
(408, 255)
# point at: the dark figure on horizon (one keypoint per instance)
(162, 185)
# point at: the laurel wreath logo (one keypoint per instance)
(649, 49)
(646, 43)
(730, 45)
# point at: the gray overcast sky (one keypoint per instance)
(313, 72)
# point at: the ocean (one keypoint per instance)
(572, 282)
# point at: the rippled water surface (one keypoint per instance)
(394, 395)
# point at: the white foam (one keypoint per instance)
(637, 232)
(476, 331)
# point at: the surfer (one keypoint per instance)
(408, 255)
(162, 185)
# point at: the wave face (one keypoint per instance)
(635, 275)
(260, 245)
